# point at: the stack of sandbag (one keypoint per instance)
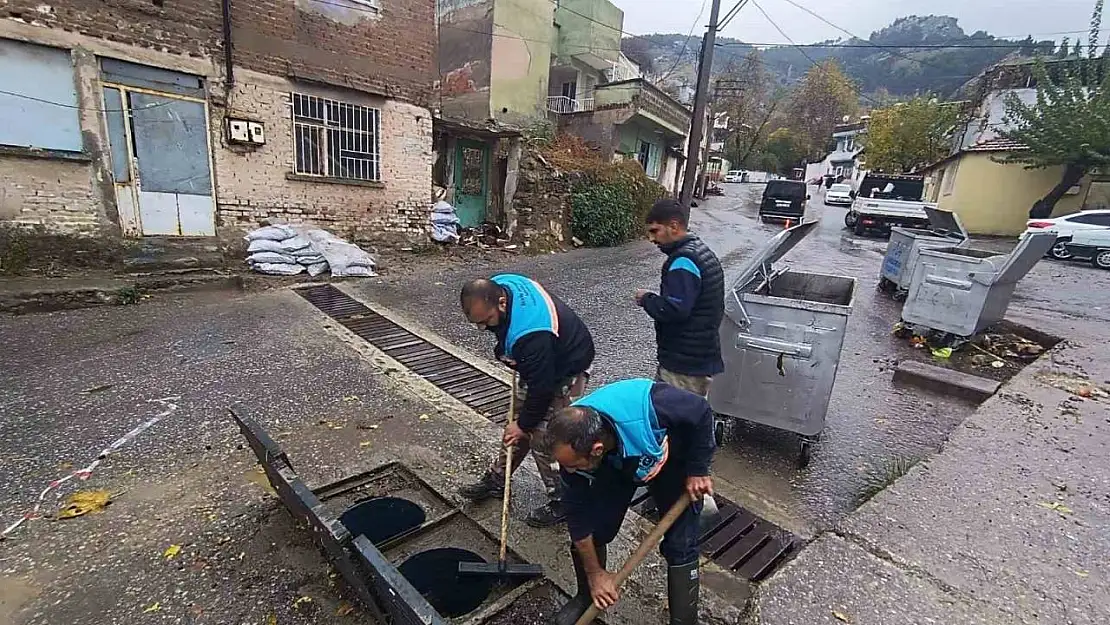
(445, 223)
(284, 250)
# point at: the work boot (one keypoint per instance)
(580, 602)
(547, 515)
(682, 593)
(491, 486)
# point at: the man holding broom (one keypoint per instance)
(551, 350)
(624, 435)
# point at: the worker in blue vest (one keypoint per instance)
(622, 436)
(690, 304)
(551, 350)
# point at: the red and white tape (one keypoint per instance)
(168, 408)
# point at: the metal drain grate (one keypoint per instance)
(477, 389)
(740, 542)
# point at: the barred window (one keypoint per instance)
(335, 139)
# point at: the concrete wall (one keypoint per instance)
(295, 45)
(994, 198)
(465, 57)
(589, 26)
(521, 60)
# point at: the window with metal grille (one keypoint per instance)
(335, 139)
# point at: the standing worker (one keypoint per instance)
(622, 436)
(551, 350)
(690, 304)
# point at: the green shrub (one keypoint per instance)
(603, 215)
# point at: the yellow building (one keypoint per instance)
(994, 198)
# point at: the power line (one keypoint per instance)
(810, 59)
(923, 46)
(731, 13)
(686, 44)
(84, 108)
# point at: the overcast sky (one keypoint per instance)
(860, 17)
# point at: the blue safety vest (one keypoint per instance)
(629, 407)
(532, 311)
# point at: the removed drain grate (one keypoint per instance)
(480, 391)
(740, 542)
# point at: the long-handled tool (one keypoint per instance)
(503, 569)
(641, 552)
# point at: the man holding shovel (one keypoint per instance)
(622, 436)
(551, 350)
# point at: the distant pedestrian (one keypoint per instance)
(690, 304)
(551, 350)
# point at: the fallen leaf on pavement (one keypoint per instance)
(365, 444)
(271, 620)
(98, 389)
(1055, 505)
(424, 417)
(154, 607)
(350, 398)
(84, 502)
(171, 552)
(998, 364)
(344, 609)
(842, 617)
(1082, 573)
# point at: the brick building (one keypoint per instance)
(204, 117)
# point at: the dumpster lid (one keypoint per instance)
(778, 247)
(945, 223)
(1028, 252)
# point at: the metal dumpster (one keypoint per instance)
(781, 340)
(964, 291)
(945, 230)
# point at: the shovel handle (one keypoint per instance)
(641, 552)
(508, 480)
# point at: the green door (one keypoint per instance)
(471, 182)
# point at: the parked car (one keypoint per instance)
(784, 199)
(1065, 228)
(840, 195)
(887, 200)
(1093, 244)
(734, 175)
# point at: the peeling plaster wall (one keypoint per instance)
(464, 57)
(521, 60)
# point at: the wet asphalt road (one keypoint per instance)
(872, 426)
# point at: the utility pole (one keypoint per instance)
(701, 97)
(710, 130)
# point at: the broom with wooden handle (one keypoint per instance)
(642, 551)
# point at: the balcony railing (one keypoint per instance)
(562, 104)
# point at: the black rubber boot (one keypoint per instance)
(491, 486)
(580, 602)
(548, 515)
(682, 593)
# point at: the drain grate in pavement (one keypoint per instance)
(740, 541)
(480, 391)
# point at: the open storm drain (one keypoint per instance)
(382, 518)
(435, 575)
(742, 542)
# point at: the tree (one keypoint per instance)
(785, 147)
(909, 135)
(1068, 126)
(822, 100)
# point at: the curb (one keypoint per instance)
(119, 292)
(946, 381)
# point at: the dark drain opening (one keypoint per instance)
(382, 518)
(434, 574)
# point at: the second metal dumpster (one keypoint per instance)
(945, 230)
(781, 340)
(964, 291)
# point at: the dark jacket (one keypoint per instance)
(544, 360)
(688, 309)
(688, 422)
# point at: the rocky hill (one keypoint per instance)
(915, 54)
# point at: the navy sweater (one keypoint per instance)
(688, 421)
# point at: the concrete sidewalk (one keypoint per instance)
(1009, 524)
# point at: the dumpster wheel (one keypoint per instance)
(805, 451)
